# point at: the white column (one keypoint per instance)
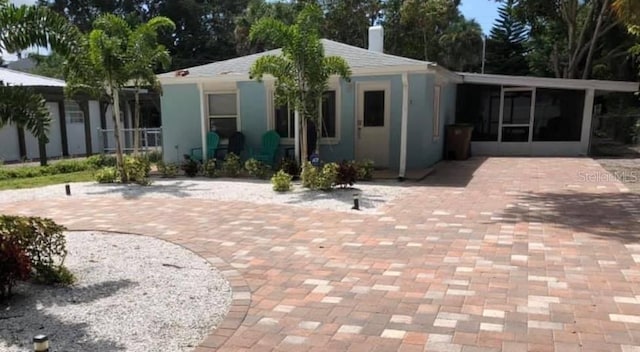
(404, 126)
(587, 119)
(203, 122)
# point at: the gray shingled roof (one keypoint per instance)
(356, 58)
(17, 78)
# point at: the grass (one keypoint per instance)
(40, 181)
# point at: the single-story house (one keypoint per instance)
(72, 135)
(393, 110)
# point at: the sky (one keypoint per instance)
(483, 11)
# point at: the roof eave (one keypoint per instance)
(356, 71)
(544, 82)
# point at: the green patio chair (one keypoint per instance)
(212, 146)
(270, 144)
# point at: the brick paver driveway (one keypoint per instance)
(509, 254)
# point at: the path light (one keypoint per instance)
(41, 343)
(67, 189)
(356, 202)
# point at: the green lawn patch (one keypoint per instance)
(40, 181)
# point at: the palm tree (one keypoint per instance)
(101, 72)
(20, 28)
(628, 10)
(302, 71)
(144, 55)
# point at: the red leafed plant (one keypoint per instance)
(14, 265)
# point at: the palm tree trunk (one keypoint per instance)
(116, 133)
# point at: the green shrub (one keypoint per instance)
(154, 156)
(289, 166)
(14, 265)
(308, 174)
(68, 166)
(257, 168)
(107, 175)
(190, 167)
(99, 161)
(137, 169)
(209, 168)
(347, 174)
(43, 242)
(327, 177)
(231, 166)
(168, 170)
(317, 178)
(364, 169)
(281, 181)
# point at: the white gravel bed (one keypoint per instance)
(372, 195)
(133, 293)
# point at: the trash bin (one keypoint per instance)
(458, 141)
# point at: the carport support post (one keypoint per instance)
(404, 126)
(204, 126)
(587, 119)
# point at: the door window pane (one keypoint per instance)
(329, 114)
(374, 108)
(558, 115)
(515, 134)
(223, 126)
(517, 108)
(222, 104)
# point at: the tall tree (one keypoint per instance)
(348, 21)
(102, 71)
(461, 46)
(204, 28)
(567, 33)
(143, 56)
(429, 17)
(507, 45)
(20, 28)
(257, 9)
(302, 70)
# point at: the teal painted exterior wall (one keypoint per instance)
(423, 150)
(181, 120)
(253, 113)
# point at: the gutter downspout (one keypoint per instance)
(404, 126)
(203, 122)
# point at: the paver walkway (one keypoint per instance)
(509, 254)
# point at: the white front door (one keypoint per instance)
(516, 121)
(372, 122)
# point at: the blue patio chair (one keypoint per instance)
(270, 144)
(212, 146)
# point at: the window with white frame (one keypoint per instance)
(73, 113)
(436, 112)
(284, 118)
(223, 113)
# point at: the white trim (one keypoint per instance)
(404, 125)
(543, 82)
(360, 88)
(204, 123)
(436, 123)
(587, 119)
(223, 92)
